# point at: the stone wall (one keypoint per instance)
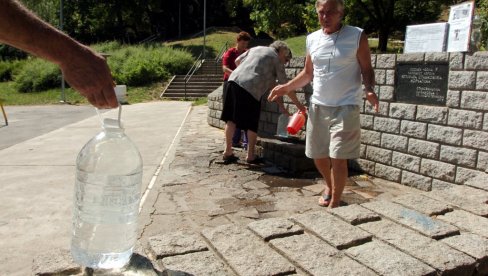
(417, 145)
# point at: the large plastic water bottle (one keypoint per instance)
(282, 125)
(106, 199)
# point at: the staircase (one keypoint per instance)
(204, 81)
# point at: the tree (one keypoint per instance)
(278, 18)
(483, 14)
(48, 10)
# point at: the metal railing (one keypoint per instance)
(218, 58)
(166, 88)
(222, 51)
(196, 65)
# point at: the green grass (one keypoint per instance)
(297, 45)
(53, 96)
(200, 101)
(213, 43)
(12, 97)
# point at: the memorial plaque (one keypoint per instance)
(421, 83)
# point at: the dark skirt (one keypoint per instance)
(241, 108)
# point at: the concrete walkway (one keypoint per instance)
(205, 218)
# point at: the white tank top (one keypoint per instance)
(336, 70)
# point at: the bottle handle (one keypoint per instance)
(119, 116)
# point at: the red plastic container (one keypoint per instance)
(296, 123)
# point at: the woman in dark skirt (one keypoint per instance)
(257, 72)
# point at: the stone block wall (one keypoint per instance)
(427, 146)
(417, 145)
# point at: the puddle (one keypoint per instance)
(280, 181)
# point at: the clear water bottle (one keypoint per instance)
(106, 199)
(281, 126)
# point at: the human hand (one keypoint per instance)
(89, 74)
(373, 100)
(276, 92)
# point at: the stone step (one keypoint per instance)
(195, 85)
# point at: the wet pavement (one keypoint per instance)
(196, 190)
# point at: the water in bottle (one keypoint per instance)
(106, 199)
(281, 126)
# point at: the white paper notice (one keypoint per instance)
(426, 38)
(460, 19)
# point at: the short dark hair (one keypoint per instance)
(243, 36)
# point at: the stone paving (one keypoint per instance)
(207, 218)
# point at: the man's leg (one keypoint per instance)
(339, 177)
(323, 166)
(252, 138)
(230, 127)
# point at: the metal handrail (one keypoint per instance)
(166, 88)
(218, 58)
(222, 51)
(196, 65)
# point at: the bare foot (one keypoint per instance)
(324, 200)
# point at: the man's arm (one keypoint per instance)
(302, 79)
(84, 70)
(367, 72)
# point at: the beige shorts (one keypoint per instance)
(333, 131)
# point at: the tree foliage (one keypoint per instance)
(278, 18)
(131, 21)
(48, 10)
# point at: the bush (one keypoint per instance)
(37, 75)
(131, 65)
(9, 68)
(107, 47)
(145, 64)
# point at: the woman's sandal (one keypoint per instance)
(324, 200)
(229, 159)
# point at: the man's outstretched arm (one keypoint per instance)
(83, 69)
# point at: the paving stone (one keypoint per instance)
(423, 204)
(316, 189)
(317, 257)
(479, 182)
(333, 230)
(355, 214)
(472, 245)
(55, 262)
(175, 244)
(463, 197)
(438, 255)
(467, 221)
(245, 253)
(386, 260)
(198, 263)
(412, 219)
(275, 227)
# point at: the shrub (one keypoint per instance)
(145, 64)
(9, 68)
(37, 75)
(107, 47)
